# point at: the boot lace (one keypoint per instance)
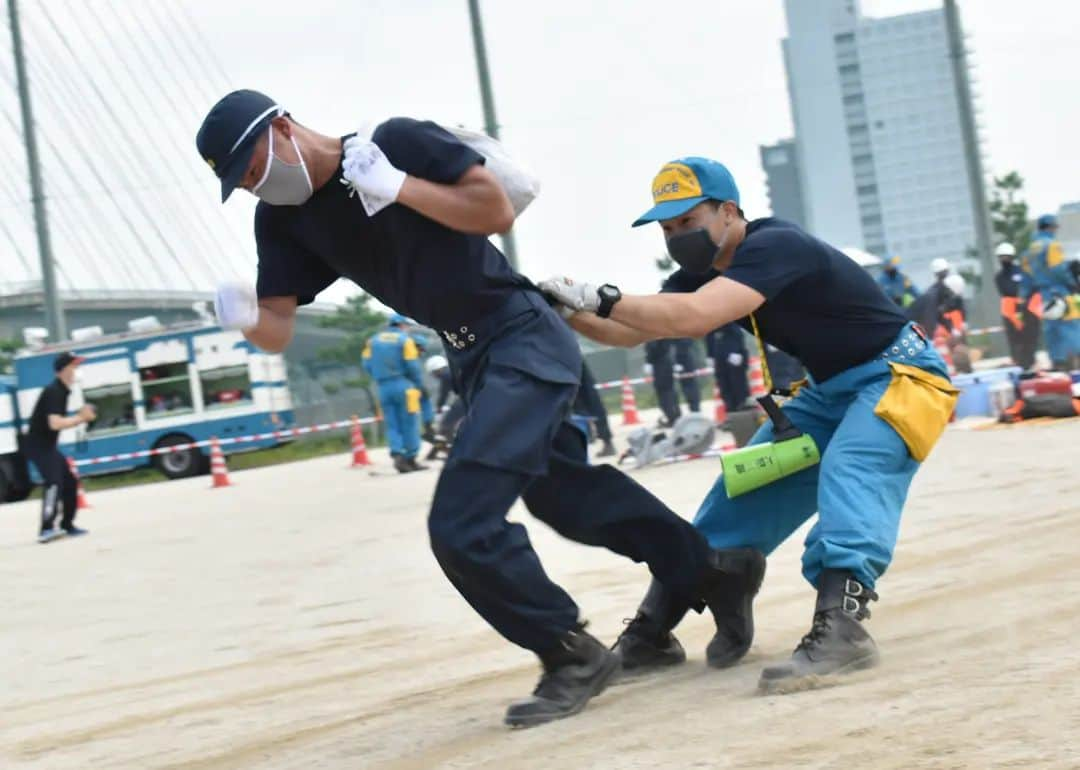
(818, 629)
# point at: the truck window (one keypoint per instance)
(115, 406)
(166, 390)
(225, 387)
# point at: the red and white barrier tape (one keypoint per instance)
(645, 380)
(227, 441)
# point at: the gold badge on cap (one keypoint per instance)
(209, 162)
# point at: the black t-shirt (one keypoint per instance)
(820, 306)
(1009, 279)
(441, 277)
(53, 400)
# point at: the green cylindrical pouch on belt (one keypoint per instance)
(755, 466)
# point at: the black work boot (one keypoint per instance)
(402, 464)
(647, 644)
(578, 668)
(736, 579)
(837, 642)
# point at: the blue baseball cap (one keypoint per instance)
(1047, 220)
(226, 139)
(684, 183)
(397, 319)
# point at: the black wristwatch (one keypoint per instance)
(609, 295)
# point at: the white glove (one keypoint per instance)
(368, 173)
(735, 359)
(236, 306)
(576, 296)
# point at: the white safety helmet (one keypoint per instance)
(1005, 250)
(956, 284)
(939, 265)
(1055, 309)
(435, 363)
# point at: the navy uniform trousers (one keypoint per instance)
(518, 380)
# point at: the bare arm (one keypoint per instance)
(475, 203)
(718, 302)
(274, 331)
(607, 331)
(60, 422)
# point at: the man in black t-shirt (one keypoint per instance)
(811, 301)
(416, 238)
(59, 486)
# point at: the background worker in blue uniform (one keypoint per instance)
(897, 286)
(877, 400)
(416, 238)
(663, 356)
(727, 348)
(392, 358)
(1020, 322)
(50, 416)
(589, 404)
(1053, 277)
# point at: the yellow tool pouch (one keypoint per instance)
(918, 406)
(412, 400)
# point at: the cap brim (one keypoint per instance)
(668, 210)
(237, 165)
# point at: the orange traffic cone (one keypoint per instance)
(629, 405)
(720, 410)
(218, 469)
(80, 501)
(359, 447)
(757, 378)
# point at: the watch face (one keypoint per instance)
(609, 291)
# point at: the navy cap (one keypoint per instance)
(65, 360)
(1047, 221)
(226, 139)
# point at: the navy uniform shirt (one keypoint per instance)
(820, 306)
(53, 400)
(441, 277)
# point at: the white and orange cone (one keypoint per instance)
(359, 446)
(629, 405)
(757, 378)
(720, 409)
(81, 502)
(218, 469)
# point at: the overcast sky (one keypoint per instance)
(595, 95)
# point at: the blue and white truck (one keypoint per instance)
(152, 389)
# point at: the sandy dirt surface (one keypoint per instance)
(298, 620)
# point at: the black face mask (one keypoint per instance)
(694, 250)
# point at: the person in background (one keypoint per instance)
(1017, 314)
(393, 360)
(727, 347)
(662, 356)
(589, 404)
(1058, 282)
(897, 286)
(60, 487)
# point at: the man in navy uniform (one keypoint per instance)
(417, 240)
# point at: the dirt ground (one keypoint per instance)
(298, 620)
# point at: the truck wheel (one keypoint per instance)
(182, 464)
(13, 486)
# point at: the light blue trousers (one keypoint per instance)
(858, 489)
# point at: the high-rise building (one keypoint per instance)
(781, 164)
(881, 155)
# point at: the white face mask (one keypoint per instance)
(283, 184)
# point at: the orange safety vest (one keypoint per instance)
(1010, 307)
